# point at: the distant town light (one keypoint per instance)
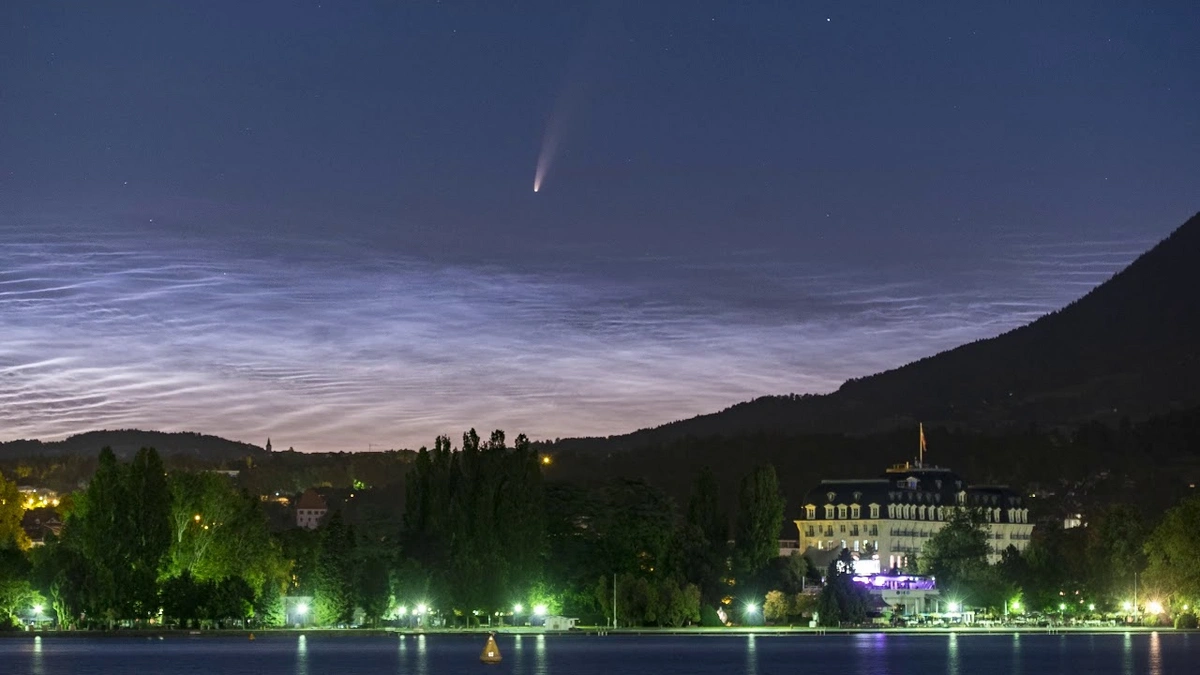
(1091, 606)
(539, 610)
(1127, 606)
(403, 611)
(421, 609)
(1062, 607)
(196, 517)
(518, 608)
(546, 460)
(37, 609)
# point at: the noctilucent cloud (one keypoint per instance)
(316, 221)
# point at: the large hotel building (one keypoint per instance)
(890, 518)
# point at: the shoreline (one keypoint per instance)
(758, 631)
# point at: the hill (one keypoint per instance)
(1129, 348)
(126, 442)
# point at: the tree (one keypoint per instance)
(1171, 549)
(705, 538)
(957, 556)
(16, 593)
(374, 587)
(776, 607)
(11, 511)
(334, 599)
(842, 600)
(760, 515)
(148, 502)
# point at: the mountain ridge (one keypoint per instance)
(1128, 347)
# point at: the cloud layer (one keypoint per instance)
(327, 348)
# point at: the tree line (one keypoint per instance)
(482, 533)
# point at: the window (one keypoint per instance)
(842, 529)
(831, 495)
(891, 510)
(828, 512)
(855, 512)
(857, 496)
(962, 498)
(941, 514)
(842, 511)
(874, 510)
(810, 532)
(854, 530)
(922, 512)
(875, 533)
(810, 512)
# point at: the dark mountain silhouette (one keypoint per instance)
(126, 442)
(1129, 348)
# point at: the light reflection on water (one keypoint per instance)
(302, 655)
(957, 653)
(952, 655)
(1155, 655)
(751, 655)
(1016, 654)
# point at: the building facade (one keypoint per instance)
(310, 509)
(890, 518)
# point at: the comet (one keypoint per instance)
(549, 149)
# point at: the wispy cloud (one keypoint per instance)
(334, 348)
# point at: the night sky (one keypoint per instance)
(315, 221)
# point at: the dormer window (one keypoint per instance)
(810, 512)
(855, 512)
(891, 510)
(874, 510)
(962, 499)
(912, 483)
(830, 495)
(857, 496)
(842, 511)
(828, 512)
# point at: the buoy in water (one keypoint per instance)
(491, 652)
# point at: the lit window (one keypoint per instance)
(828, 512)
(810, 512)
(842, 511)
(874, 510)
(855, 512)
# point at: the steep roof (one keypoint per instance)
(311, 500)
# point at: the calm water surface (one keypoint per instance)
(868, 654)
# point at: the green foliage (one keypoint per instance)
(476, 517)
(776, 607)
(759, 517)
(334, 598)
(841, 600)
(705, 537)
(957, 555)
(709, 617)
(11, 511)
(1171, 550)
(1187, 621)
(374, 587)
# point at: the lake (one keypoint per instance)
(861, 654)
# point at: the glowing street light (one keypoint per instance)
(1091, 606)
(421, 609)
(1154, 607)
(1016, 605)
(539, 610)
(302, 609)
(1127, 606)
(953, 607)
(751, 608)
(403, 611)
(196, 517)
(518, 608)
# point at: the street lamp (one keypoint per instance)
(421, 609)
(953, 607)
(518, 608)
(1154, 607)
(539, 610)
